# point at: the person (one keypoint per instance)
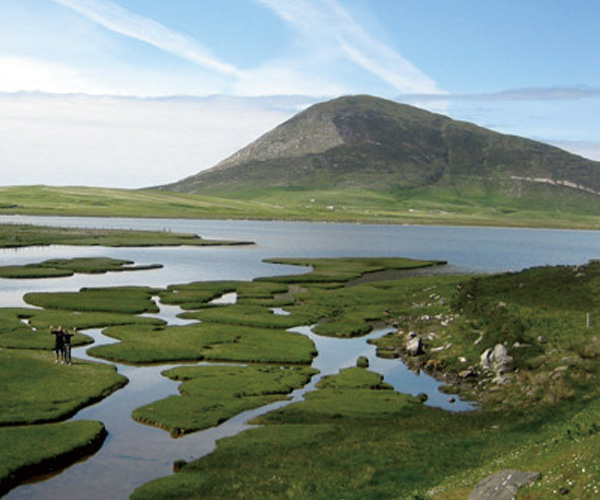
(67, 347)
(59, 343)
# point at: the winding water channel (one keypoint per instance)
(133, 453)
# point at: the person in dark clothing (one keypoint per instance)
(59, 343)
(67, 347)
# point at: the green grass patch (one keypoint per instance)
(353, 438)
(213, 394)
(35, 389)
(32, 450)
(250, 315)
(467, 201)
(55, 268)
(122, 300)
(25, 235)
(345, 269)
(205, 341)
(24, 328)
(198, 294)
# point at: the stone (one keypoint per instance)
(503, 485)
(497, 360)
(414, 346)
(468, 373)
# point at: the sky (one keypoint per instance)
(138, 93)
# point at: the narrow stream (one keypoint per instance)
(134, 454)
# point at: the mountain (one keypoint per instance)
(368, 143)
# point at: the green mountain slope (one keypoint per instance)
(368, 143)
(362, 159)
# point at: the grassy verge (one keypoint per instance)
(33, 450)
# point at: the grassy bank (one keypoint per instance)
(469, 205)
(25, 235)
(40, 449)
(35, 389)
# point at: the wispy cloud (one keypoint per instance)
(325, 26)
(115, 18)
(524, 94)
(328, 23)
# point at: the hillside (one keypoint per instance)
(368, 143)
(361, 159)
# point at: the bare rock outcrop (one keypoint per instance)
(503, 485)
(497, 360)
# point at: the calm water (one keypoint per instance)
(133, 453)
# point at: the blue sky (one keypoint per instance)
(132, 93)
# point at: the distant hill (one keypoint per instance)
(373, 144)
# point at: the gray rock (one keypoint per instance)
(503, 485)
(468, 373)
(414, 346)
(497, 360)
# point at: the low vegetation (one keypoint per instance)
(40, 449)
(205, 341)
(469, 204)
(122, 300)
(25, 235)
(59, 268)
(213, 394)
(35, 389)
(354, 437)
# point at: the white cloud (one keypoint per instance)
(126, 142)
(25, 74)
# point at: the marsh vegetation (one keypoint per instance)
(353, 436)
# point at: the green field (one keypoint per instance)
(36, 391)
(25, 235)
(39, 449)
(467, 204)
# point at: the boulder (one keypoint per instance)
(503, 485)
(414, 346)
(497, 360)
